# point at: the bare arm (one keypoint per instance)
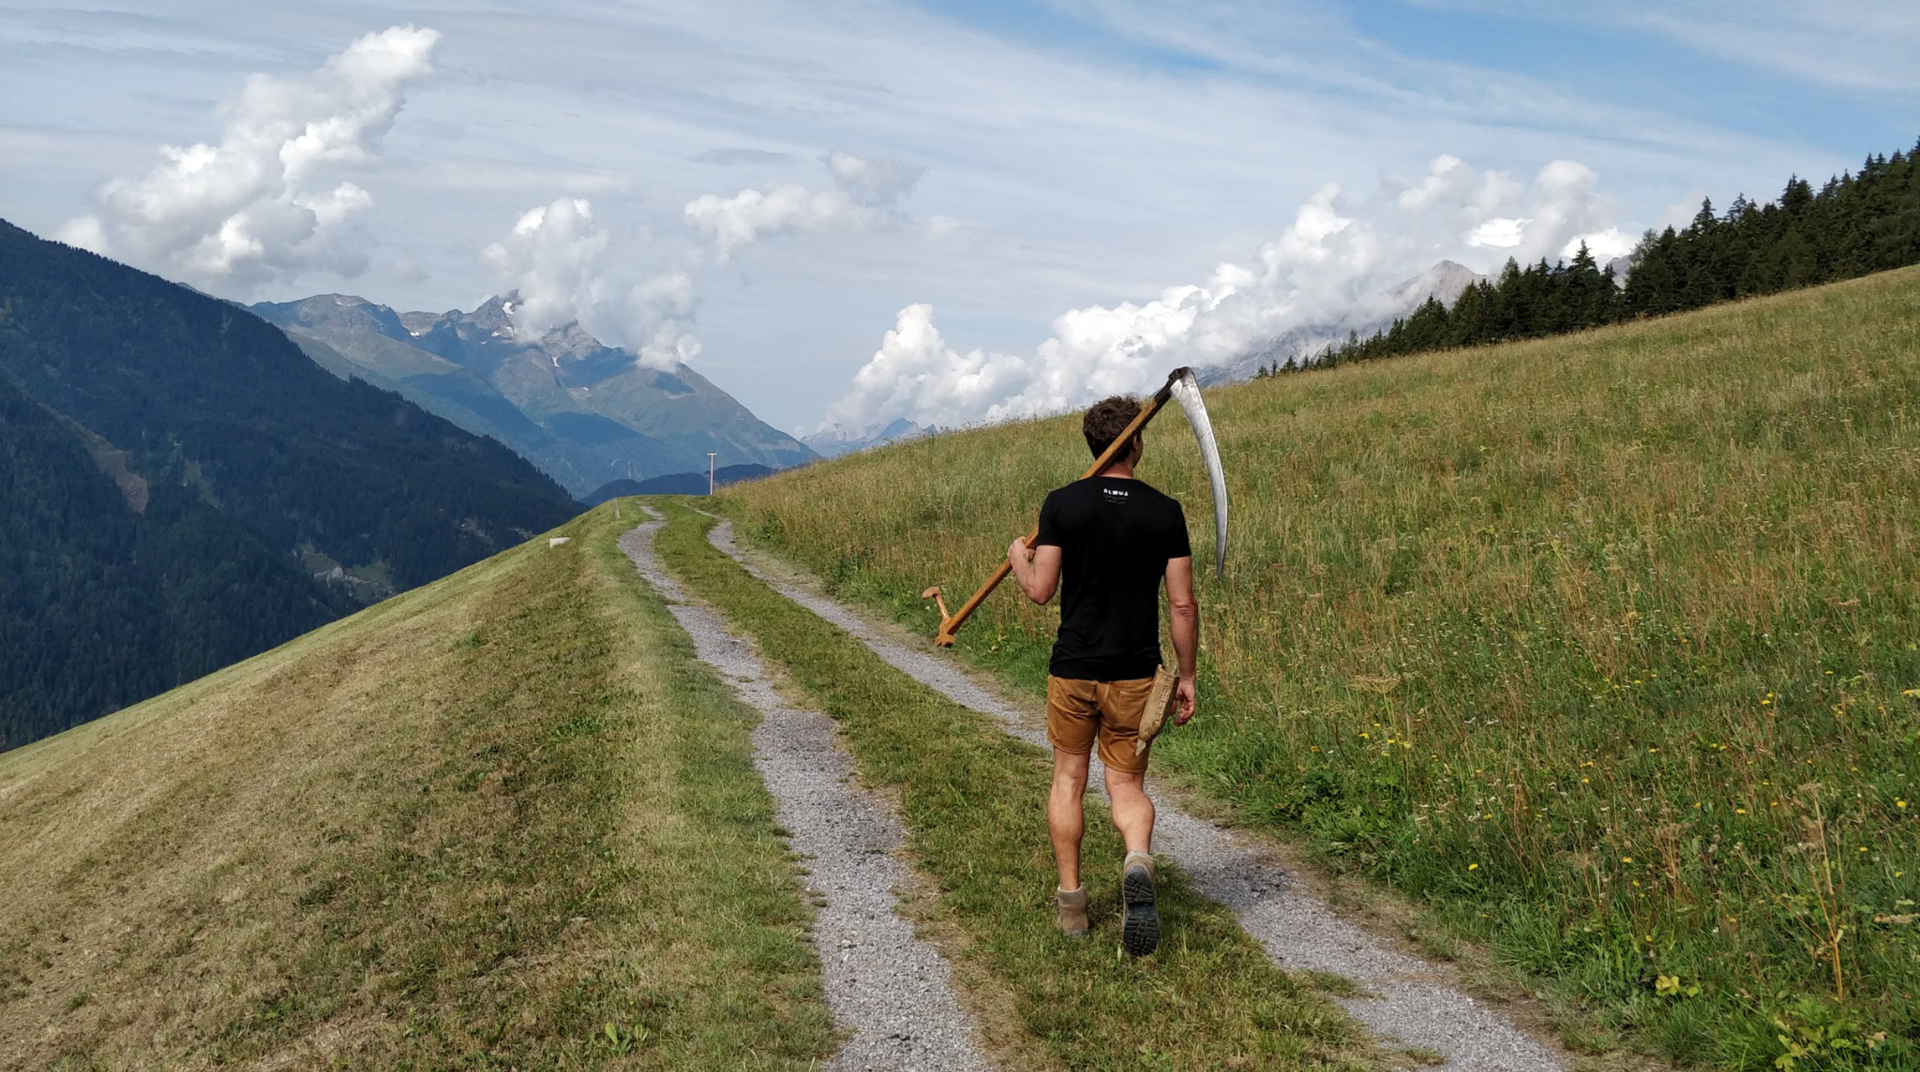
(1035, 569)
(1185, 627)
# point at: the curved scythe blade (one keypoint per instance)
(1186, 391)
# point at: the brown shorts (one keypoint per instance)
(1078, 712)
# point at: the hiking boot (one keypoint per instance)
(1140, 930)
(1073, 911)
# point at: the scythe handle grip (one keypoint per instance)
(952, 625)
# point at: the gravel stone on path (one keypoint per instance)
(888, 988)
(1416, 1008)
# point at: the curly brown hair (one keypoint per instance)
(1106, 420)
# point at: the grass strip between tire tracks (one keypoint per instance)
(972, 798)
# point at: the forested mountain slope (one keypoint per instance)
(106, 605)
(235, 456)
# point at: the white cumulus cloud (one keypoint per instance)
(1338, 266)
(1603, 245)
(555, 258)
(552, 257)
(916, 375)
(659, 314)
(266, 202)
(863, 197)
(1499, 233)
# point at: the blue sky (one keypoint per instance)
(1031, 203)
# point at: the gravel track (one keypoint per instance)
(1416, 1006)
(885, 987)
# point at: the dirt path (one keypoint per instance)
(1416, 1006)
(886, 987)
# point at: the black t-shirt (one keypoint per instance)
(1115, 538)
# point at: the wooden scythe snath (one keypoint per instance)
(1180, 387)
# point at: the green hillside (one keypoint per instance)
(1605, 648)
(469, 827)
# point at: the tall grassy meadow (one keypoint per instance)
(1605, 648)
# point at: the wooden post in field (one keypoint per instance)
(710, 472)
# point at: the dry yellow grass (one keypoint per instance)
(474, 823)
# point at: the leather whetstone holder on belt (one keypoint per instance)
(1159, 706)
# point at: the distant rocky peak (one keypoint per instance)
(1445, 282)
(583, 360)
(336, 312)
(489, 334)
(570, 342)
(495, 315)
(418, 323)
(838, 439)
(898, 428)
(567, 342)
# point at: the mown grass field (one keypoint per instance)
(972, 798)
(1606, 648)
(470, 827)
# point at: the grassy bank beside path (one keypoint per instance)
(468, 827)
(972, 800)
(1606, 648)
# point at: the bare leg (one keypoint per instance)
(1065, 819)
(1132, 810)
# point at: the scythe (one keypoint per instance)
(1181, 388)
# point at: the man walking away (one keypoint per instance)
(1112, 539)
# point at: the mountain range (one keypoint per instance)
(838, 439)
(585, 413)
